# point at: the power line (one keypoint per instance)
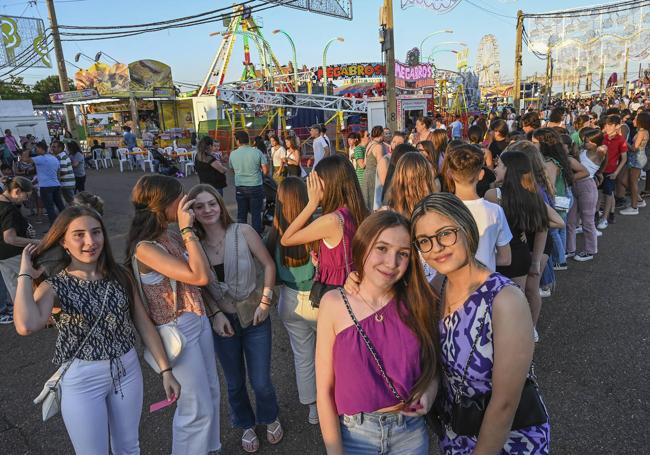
(591, 10)
(123, 34)
(489, 11)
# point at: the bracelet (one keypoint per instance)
(265, 303)
(189, 238)
(214, 314)
(165, 370)
(268, 292)
(25, 274)
(186, 230)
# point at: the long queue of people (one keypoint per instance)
(407, 274)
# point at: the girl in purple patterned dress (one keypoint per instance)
(486, 332)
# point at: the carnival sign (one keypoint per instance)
(75, 95)
(349, 70)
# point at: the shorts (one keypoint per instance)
(633, 160)
(608, 185)
(520, 262)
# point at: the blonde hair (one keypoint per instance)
(413, 180)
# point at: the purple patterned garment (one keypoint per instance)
(457, 334)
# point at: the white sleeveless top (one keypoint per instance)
(590, 165)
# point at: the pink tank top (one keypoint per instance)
(332, 261)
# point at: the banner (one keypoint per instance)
(108, 80)
(349, 70)
(75, 95)
(147, 74)
(24, 43)
(416, 76)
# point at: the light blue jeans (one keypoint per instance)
(384, 433)
(559, 236)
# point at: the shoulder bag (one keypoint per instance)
(467, 412)
(371, 348)
(246, 307)
(319, 289)
(50, 396)
(171, 336)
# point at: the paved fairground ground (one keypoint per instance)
(591, 360)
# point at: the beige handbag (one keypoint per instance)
(50, 396)
(171, 336)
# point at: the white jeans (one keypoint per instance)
(94, 411)
(302, 336)
(196, 420)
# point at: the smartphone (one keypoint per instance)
(161, 404)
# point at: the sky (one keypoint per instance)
(189, 51)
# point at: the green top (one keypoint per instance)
(359, 154)
(247, 161)
(575, 137)
(297, 278)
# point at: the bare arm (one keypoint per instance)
(489, 160)
(512, 328)
(504, 255)
(382, 164)
(327, 412)
(196, 271)
(538, 250)
(579, 171)
(32, 308)
(216, 164)
(554, 218)
(9, 236)
(621, 164)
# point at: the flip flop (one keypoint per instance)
(274, 432)
(249, 441)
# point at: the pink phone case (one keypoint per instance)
(161, 405)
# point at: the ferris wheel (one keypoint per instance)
(488, 62)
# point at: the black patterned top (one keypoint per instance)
(81, 302)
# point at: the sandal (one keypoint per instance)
(249, 441)
(274, 432)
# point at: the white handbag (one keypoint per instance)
(171, 336)
(50, 396)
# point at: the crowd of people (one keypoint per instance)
(408, 272)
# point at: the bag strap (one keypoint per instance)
(371, 348)
(136, 271)
(345, 247)
(85, 340)
(478, 335)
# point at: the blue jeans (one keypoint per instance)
(250, 199)
(384, 433)
(6, 305)
(252, 345)
(51, 196)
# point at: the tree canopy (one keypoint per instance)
(15, 89)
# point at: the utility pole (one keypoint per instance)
(60, 62)
(625, 75)
(549, 75)
(388, 47)
(516, 88)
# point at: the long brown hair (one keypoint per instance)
(413, 180)
(289, 202)
(341, 187)
(106, 264)
(150, 196)
(224, 218)
(415, 308)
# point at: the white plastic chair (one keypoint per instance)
(144, 161)
(189, 164)
(107, 159)
(168, 150)
(124, 158)
(97, 160)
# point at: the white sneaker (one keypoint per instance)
(629, 211)
(642, 203)
(313, 415)
(544, 293)
(579, 230)
(599, 233)
(535, 335)
(603, 224)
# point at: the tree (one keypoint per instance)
(14, 89)
(42, 89)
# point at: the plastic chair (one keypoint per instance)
(144, 161)
(97, 160)
(107, 158)
(189, 164)
(168, 150)
(124, 158)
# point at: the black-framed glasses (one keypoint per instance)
(445, 238)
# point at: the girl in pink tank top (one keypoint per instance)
(375, 361)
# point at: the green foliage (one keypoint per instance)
(16, 89)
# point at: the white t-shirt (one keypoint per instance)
(319, 149)
(493, 230)
(277, 155)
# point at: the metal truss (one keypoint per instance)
(292, 100)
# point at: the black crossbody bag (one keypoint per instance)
(467, 412)
(319, 289)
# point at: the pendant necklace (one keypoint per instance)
(379, 317)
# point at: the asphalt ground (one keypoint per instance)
(591, 360)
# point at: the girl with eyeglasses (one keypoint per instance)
(485, 337)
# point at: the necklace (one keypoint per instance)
(379, 317)
(450, 307)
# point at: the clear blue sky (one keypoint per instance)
(189, 51)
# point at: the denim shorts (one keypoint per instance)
(608, 185)
(384, 433)
(633, 160)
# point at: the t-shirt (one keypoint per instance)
(456, 129)
(319, 149)
(359, 154)
(11, 218)
(66, 175)
(80, 170)
(47, 169)
(130, 140)
(208, 174)
(616, 146)
(277, 155)
(497, 147)
(246, 161)
(493, 230)
(12, 144)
